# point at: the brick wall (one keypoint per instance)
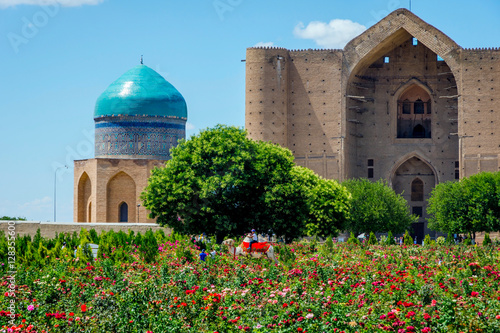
(49, 229)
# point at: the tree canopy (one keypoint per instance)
(377, 208)
(220, 182)
(468, 206)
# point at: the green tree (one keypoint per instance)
(9, 218)
(149, 248)
(329, 207)
(468, 206)
(390, 239)
(376, 208)
(408, 240)
(222, 183)
(372, 240)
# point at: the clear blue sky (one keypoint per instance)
(57, 60)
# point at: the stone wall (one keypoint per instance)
(111, 182)
(49, 229)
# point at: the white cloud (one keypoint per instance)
(64, 3)
(264, 44)
(334, 34)
(190, 126)
(37, 204)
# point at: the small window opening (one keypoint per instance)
(415, 41)
(124, 212)
(417, 211)
(418, 107)
(417, 190)
(386, 60)
(370, 162)
(370, 172)
(406, 107)
(419, 131)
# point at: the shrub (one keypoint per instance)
(427, 240)
(390, 239)
(372, 240)
(407, 239)
(353, 239)
(149, 249)
(487, 239)
(441, 240)
(449, 239)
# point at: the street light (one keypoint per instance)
(55, 178)
(138, 205)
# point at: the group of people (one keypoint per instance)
(203, 254)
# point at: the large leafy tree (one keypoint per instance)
(468, 206)
(377, 208)
(220, 182)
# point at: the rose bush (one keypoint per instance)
(331, 288)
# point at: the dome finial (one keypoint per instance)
(142, 62)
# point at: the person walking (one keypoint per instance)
(203, 255)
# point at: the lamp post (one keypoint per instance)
(138, 205)
(55, 182)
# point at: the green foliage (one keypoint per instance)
(467, 241)
(376, 207)
(450, 240)
(8, 218)
(487, 239)
(149, 249)
(408, 240)
(329, 206)
(390, 239)
(94, 238)
(84, 252)
(184, 255)
(353, 239)
(427, 240)
(440, 240)
(372, 240)
(286, 256)
(471, 205)
(138, 239)
(222, 183)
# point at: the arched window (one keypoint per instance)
(419, 107)
(123, 212)
(418, 131)
(414, 113)
(417, 190)
(406, 107)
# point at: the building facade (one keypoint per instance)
(137, 119)
(401, 102)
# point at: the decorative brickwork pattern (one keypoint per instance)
(137, 137)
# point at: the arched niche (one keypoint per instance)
(120, 189)
(84, 194)
(414, 116)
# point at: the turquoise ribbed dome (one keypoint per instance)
(141, 92)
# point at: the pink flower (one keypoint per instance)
(31, 307)
(426, 330)
(474, 293)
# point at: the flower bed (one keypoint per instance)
(349, 288)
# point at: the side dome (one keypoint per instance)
(141, 92)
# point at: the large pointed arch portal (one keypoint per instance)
(414, 179)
